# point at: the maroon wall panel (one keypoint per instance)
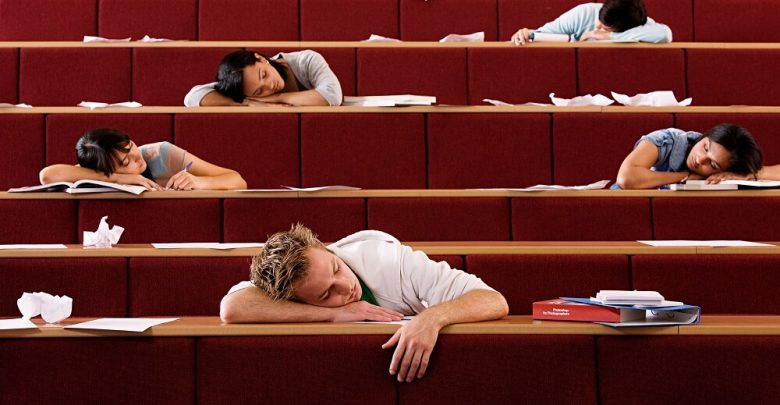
(703, 279)
(433, 219)
(724, 369)
(22, 139)
(9, 65)
(47, 20)
(253, 220)
(743, 76)
(433, 20)
(649, 70)
(363, 150)
(525, 279)
(262, 147)
(677, 14)
(588, 147)
(488, 150)
(437, 72)
(99, 370)
(249, 20)
(289, 369)
(365, 17)
(183, 286)
(516, 14)
(38, 221)
(572, 218)
(762, 126)
(98, 286)
(519, 76)
(64, 130)
(147, 221)
(171, 19)
(68, 76)
(753, 218)
(484, 369)
(747, 21)
(164, 76)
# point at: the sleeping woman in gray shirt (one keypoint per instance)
(248, 78)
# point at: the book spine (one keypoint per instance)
(556, 311)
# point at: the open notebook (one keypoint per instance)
(82, 186)
(701, 185)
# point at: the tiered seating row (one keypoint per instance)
(162, 76)
(354, 20)
(387, 150)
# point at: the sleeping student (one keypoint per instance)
(248, 78)
(110, 155)
(615, 20)
(672, 155)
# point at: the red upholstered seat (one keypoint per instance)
(294, 369)
(439, 72)
(47, 20)
(677, 14)
(524, 279)
(183, 286)
(101, 370)
(22, 139)
(147, 221)
(98, 286)
(733, 76)
(433, 219)
(748, 21)
(488, 150)
(262, 147)
(456, 262)
(433, 20)
(363, 150)
(531, 14)
(693, 218)
(9, 65)
(164, 76)
(724, 369)
(38, 221)
(591, 146)
(762, 126)
(253, 220)
(365, 17)
(171, 19)
(64, 130)
(572, 218)
(631, 71)
(720, 284)
(67, 76)
(506, 369)
(520, 75)
(248, 20)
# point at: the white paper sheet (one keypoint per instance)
(706, 243)
(542, 187)
(7, 105)
(104, 236)
(34, 246)
(379, 38)
(121, 324)
(474, 37)
(88, 38)
(652, 99)
(323, 188)
(403, 321)
(147, 38)
(94, 104)
(586, 100)
(497, 103)
(206, 245)
(265, 190)
(18, 323)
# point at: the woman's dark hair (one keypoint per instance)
(230, 74)
(96, 149)
(622, 15)
(746, 155)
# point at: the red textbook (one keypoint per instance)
(562, 310)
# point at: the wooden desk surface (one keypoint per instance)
(512, 325)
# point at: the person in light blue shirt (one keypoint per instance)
(615, 20)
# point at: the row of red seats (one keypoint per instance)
(162, 76)
(376, 150)
(193, 286)
(543, 218)
(355, 20)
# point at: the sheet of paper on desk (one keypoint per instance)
(18, 323)
(121, 324)
(206, 245)
(34, 246)
(542, 187)
(401, 322)
(704, 243)
(324, 188)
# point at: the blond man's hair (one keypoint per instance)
(283, 261)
